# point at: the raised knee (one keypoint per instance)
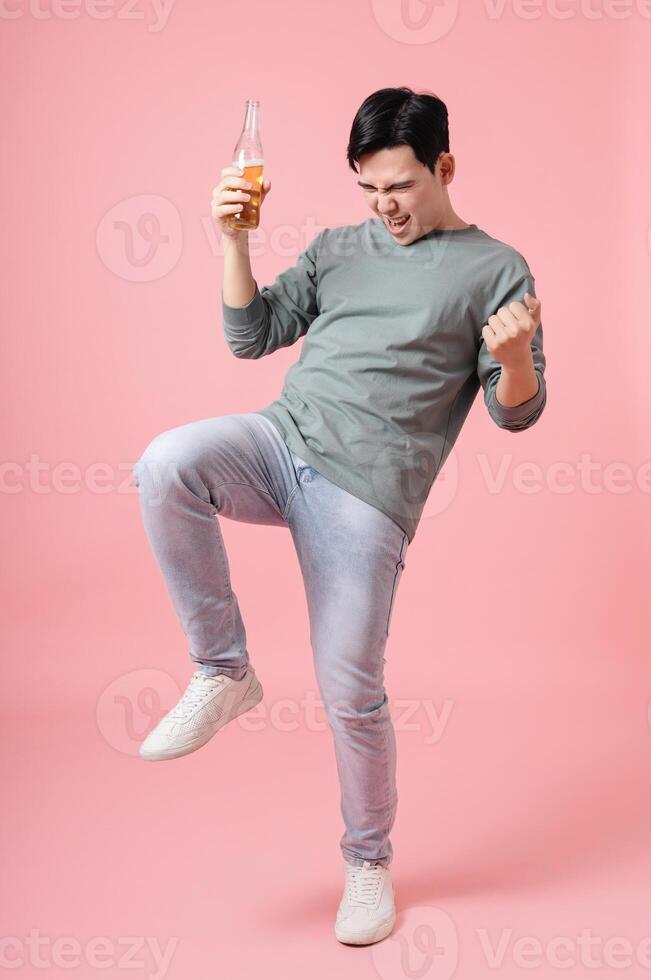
(150, 458)
(164, 457)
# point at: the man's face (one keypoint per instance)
(395, 183)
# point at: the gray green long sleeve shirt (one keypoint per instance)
(392, 356)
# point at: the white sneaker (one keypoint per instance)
(367, 911)
(206, 706)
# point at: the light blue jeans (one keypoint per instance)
(351, 557)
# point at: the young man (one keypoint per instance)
(404, 316)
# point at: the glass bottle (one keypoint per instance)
(248, 156)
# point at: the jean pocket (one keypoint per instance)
(304, 472)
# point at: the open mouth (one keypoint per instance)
(397, 225)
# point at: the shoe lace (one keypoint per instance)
(364, 883)
(200, 686)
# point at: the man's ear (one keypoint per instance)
(448, 167)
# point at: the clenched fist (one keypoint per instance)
(508, 332)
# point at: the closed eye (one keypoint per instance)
(396, 187)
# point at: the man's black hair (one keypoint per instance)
(397, 116)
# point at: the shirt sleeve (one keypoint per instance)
(515, 417)
(277, 315)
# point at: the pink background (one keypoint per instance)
(522, 618)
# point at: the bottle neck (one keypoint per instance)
(251, 115)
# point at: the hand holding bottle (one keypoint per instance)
(229, 197)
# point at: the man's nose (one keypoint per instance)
(386, 207)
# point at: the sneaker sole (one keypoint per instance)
(374, 935)
(253, 697)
